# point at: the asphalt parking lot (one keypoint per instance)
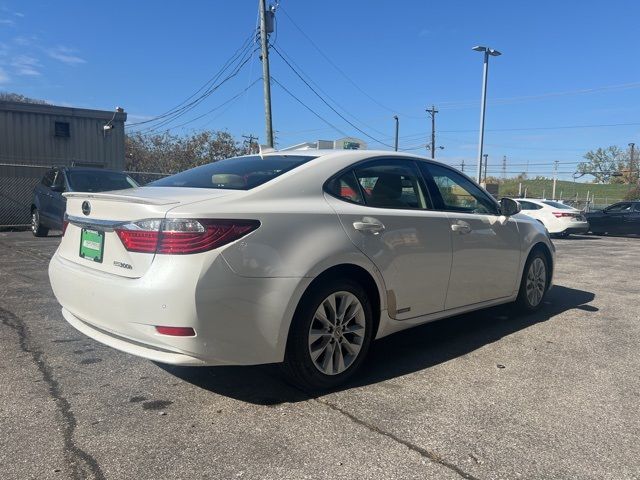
(488, 395)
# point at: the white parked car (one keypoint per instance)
(560, 219)
(295, 257)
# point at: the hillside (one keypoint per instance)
(537, 188)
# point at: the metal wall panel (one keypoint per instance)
(27, 137)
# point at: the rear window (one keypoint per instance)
(239, 173)
(561, 206)
(97, 181)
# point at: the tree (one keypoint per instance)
(165, 153)
(633, 194)
(602, 163)
(16, 97)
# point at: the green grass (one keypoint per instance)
(604, 193)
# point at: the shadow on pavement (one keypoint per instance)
(399, 354)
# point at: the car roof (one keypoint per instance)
(91, 170)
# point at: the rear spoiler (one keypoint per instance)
(117, 197)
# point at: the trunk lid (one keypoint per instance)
(90, 239)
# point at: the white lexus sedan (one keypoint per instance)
(560, 220)
(299, 257)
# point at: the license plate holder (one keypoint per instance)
(91, 244)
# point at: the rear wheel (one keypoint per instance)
(330, 335)
(533, 286)
(36, 227)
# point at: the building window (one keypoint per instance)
(62, 129)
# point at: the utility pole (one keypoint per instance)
(250, 139)
(395, 117)
(632, 146)
(462, 166)
(432, 113)
(555, 179)
(504, 167)
(266, 77)
(486, 156)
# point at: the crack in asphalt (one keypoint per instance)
(411, 446)
(82, 463)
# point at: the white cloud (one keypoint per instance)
(4, 78)
(19, 14)
(26, 65)
(65, 55)
(6, 21)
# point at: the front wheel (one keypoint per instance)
(36, 227)
(534, 282)
(330, 335)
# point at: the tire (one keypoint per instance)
(37, 228)
(598, 233)
(315, 311)
(534, 283)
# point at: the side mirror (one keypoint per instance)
(509, 207)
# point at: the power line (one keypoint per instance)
(308, 107)
(207, 88)
(338, 69)
(320, 89)
(200, 99)
(208, 112)
(327, 103)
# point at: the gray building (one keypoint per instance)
(35, 137)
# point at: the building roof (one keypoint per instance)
(62, 111)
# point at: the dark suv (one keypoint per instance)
(48, 205)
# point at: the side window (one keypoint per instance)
(59, 181)
(458, 193)
(637, 207)
(619, 207)
(528, 205)
(392, 184)
(345, 187)
(48, 178)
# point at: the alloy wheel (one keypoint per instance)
(536, 281)
(34, 221)
(336, 333)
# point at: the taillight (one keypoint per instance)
(563, 214)
(182, 236)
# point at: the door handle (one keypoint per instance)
(369, 224)
(461, 227)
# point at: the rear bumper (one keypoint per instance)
(578, 229)
(130, 346)
(238, 320)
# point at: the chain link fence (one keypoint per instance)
(16, 191)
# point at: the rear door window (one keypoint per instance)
(392, 184)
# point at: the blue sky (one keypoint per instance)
(564, 64)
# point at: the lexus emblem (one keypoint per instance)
(86, 207)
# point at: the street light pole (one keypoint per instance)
(395, 117)
(485, 73)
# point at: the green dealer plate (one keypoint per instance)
(91, 244)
